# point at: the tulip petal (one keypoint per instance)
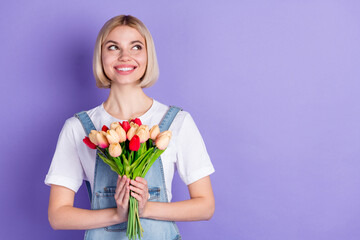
(115, 150)
(126, 126)
(137, 121)
(154, 132)
(92, 136)
(104, 128)
(134, 144)
(102, 140)
(87, 141)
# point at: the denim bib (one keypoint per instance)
(104, 189)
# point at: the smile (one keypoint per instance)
(125, 69)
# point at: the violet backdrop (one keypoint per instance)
(272, 85)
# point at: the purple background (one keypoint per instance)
(272, 85)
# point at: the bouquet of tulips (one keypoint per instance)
(130, 149)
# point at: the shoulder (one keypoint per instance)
(182, 126)
(73, 124)
(182, 116)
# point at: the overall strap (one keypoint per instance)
(88, 126)
(165, 125)
(168, 118)
(86, 122)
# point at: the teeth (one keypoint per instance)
(125, 69)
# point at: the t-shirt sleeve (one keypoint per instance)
(193, 161)
(66, 169)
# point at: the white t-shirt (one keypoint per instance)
(74, 162)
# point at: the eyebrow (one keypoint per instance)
(132, 42)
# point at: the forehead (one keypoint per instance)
(124, 34)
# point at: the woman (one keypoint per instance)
(125, 61)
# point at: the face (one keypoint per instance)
(124, 55)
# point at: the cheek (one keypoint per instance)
(143, 60)
(105, 60)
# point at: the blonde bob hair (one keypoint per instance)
(152, 69)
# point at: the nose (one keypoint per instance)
(124, 56)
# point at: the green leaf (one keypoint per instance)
(140, 158)
(111, 164)
(126, 166)
(151, 161)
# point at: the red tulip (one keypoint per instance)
(137, 121)
(125, 125)
(87, 141)
(105, 128)
(134, 144)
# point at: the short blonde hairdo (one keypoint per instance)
(152, 69)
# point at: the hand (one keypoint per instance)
(122, 197)
(139, 190)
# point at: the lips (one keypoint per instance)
(125, 69)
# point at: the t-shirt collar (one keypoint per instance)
(143, 117)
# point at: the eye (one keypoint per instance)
(137, 47)
(113, 47)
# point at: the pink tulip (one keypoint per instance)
(102, 140)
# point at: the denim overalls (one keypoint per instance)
(104, 188)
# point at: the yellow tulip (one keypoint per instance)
(122, 134)
(114, 125)
(115, 149)
(132, 131)
(112, 136)
(163, 139)
(92, 137)
(154, 132)
(143, 133)
(133, 124)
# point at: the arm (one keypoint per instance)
(200, 206)
(63, 215)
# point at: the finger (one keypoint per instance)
(137, 196)
(127, 196)
(139, 191)
(125, 191)
(138, 184)
(117, 184)
(142, 180)
(120, 186)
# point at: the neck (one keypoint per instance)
(127, 101)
